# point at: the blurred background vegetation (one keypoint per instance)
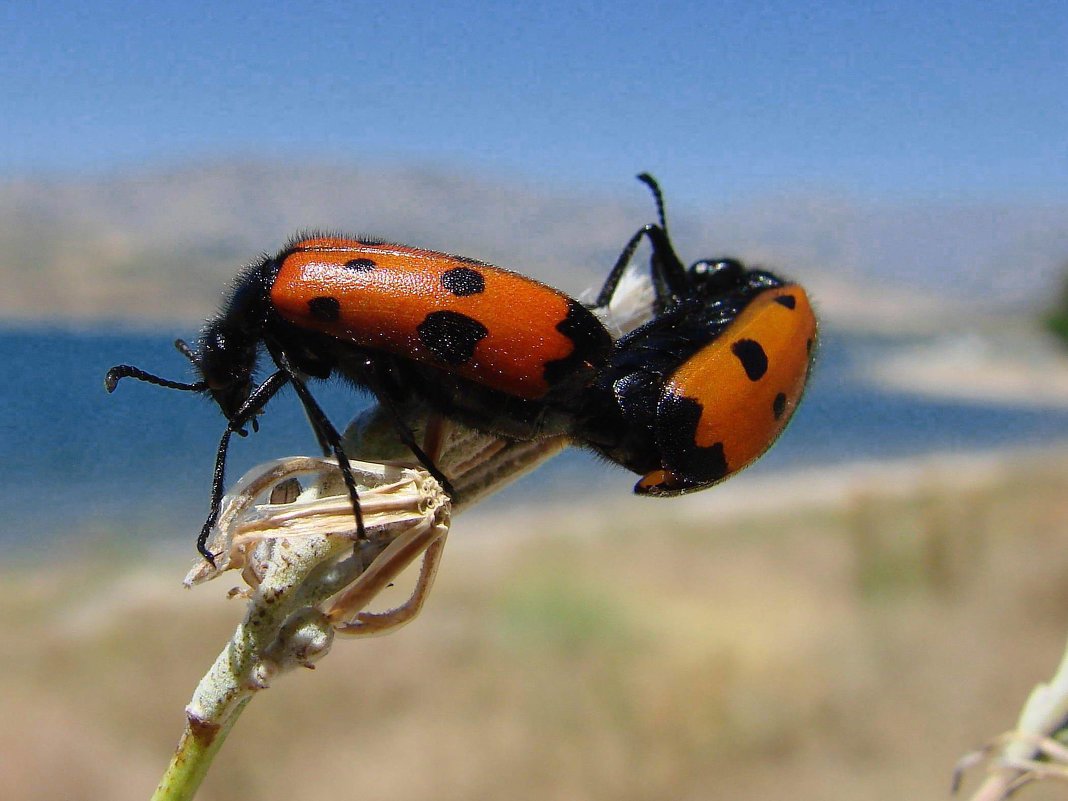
(1057, 318)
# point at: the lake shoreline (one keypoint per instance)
(788, 492)
(1017, 369)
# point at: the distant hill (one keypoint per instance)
(161, 245)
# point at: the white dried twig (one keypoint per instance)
(1031, 752)
(296, 558)
(289, 529)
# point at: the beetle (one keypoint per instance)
(495, 350)
(706, 386)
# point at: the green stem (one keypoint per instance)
(193, 756)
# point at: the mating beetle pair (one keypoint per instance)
(685, 400)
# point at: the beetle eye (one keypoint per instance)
(723, 269)
(226, 361)
(715, 276)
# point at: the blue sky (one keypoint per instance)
(905, 100)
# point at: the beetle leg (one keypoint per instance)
(252, 405)
(666, 269)
(404, 431)
(324, 430)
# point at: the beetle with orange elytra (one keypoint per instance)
(710, 382)
(473, 342)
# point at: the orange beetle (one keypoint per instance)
(458, 337)
(707, 386)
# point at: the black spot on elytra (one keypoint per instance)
(778, 406)
(451, 336)
(463, 281)
(808, 345)
(789, 301)
(361, 265)
(326, 309)
(592, 346)
(676, 426)
(752, 357)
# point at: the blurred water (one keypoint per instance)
(77, 456)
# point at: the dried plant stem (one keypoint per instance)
(308, 579)
(1032, 751)
(298, 556)
(997, 787)
(241, 670)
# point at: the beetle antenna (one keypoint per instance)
(115, 374)
(184, 349)
(668, 271)
(654, 187)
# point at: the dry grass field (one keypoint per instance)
(851, 646)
